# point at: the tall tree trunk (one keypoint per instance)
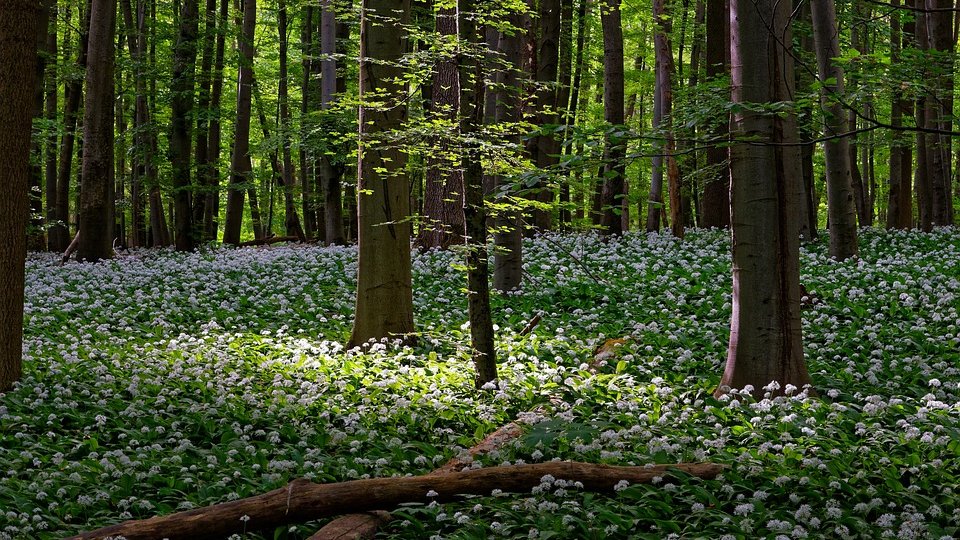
(19, 20)
(306, 92)
(291, 220)
(841, 210)
(508, 257)
(73, 94)
(330, 175)
(181, 104)
(716, 188)
(899, 201)
(765, 328)
(565, 69)
(808, 204)
(36, 240)
(443, 218)
(96, 179)
(384, 306)
(923, 111)
(940, 112)
(50, 147)
(471, 75)
(241, 169)
(202, 158)
(545, 148)
(614, 168)
(211, 218)
(575, 93)
(664, 86)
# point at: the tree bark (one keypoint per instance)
(664, 86)
(50, 148)
(97, 174)
(716, 188)
(508, 257)
(442, 218)
(545, 148)
(565, 69)
(241, 169)
(614, 162)
(302, 500)
(330, 175)
(899, 201)
(841, 210)
(384, 306)
(202, 157)
(19, 20)
(765, 328)
(291, 220)
(182, 103)
(940, 111)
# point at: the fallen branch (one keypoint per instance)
(74, 244)
(532, 324)
(302, 500)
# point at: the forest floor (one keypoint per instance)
(164, 381)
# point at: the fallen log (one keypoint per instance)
(302, 500)
(362, 526)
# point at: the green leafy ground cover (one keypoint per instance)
(165, 381)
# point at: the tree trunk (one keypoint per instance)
(940, 111)
(384, 306)
(202, 158)
(330, 175)
(442, 215)
(508, 257)
(808, 205)
(765, 328)
(36, 239)
(923, 111)
(291, 220)
(614, 167)
(715, 208)
(899, 201)
(181, 103)
(308, 201)
(19, 21)
(565, 69)
(575, 92)
(97, 175)
(50, 147)
(664, 86)
(841, 210)
(545, 148)
(241, 169)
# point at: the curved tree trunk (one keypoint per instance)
(384, 306)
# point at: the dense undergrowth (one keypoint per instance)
(164, 381)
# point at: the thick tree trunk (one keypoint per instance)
(330, 175)
(940, 112)
(241, 170)
(899, 201)
(384, 306)
(765, 328)
(97, 175)
(302, 500)
(614, 168)
(19, 20)
(545, 148)
(841, 210)
(715, 208)
(181, 104)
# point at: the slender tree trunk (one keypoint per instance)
(306, 92)
(508, 257)
(384, 306)
(211, 218)
(841, 210)
(19, 21)
(291, 220)
(565, 69)
(664, 86)
(940, 112)
(923, 111)
(471, 75)
(614, 168)
(575, 93)
(50, 147)
(443, 218)
(899, 201)
(182, 104)
(330, 175)
(241, 169)
(36, 240)
(202, 158)
(808, 205)
(716, 188)
(97, 178)
(765, 328)
(545, 148)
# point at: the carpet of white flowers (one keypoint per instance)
(161, 381)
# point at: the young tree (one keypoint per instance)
(765, 330)
(18, 56)
(841, 209)
(97, 175)
(384, 306)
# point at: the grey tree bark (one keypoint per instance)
(240, 166)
